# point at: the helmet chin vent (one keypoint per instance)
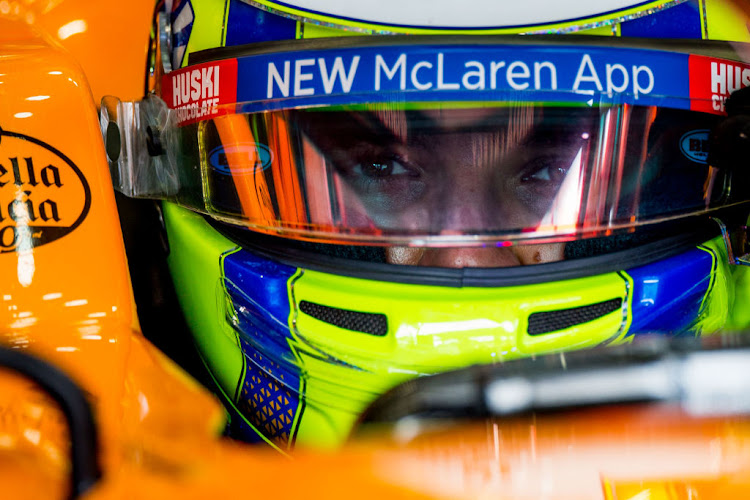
(552, 321)
(372, 323)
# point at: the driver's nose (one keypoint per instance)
(469, 257)
(453, 257)
(461, 257)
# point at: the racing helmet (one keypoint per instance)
(346, 212)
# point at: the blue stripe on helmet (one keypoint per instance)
(667, 295)
(248, 24)
(269, 393)
(679, 21)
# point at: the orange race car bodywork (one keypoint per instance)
(66, 298)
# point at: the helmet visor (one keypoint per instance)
(448, 173)
(449, 144)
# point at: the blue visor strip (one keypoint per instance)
(576, 75)
(584, 75)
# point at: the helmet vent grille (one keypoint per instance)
(372, 323)
(546, 322)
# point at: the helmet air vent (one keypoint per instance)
(552, 321)
(372, 323)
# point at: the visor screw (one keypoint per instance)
(113, 145)
(153, 142)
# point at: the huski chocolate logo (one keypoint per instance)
(43, 195)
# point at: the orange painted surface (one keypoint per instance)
(66, 297)
(109, 40)
(66, 294)
(577, 455)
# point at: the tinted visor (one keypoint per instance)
(447, 174)
(456, 174)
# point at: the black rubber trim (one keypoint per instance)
(552, 321)
(84, 450)
(713, 48)
(372, 323)
(286, 252)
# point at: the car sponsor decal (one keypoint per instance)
(44, 196)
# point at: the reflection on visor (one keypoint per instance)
(449, 174)
(477, 171)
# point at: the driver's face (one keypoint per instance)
(452, 172)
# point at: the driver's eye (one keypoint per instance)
(380, 167)
(547, 173)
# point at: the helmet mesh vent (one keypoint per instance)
(545, 322)
(372, 323)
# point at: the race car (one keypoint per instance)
(354, 198)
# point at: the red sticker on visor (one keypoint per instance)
(201, 92)
(712, 80)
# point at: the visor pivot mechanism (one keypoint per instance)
(137, 138)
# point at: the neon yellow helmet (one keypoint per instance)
(346, 213)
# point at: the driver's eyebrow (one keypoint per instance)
(381, 124)
(511, 126)
(520, 126)
(400, 122)
(497, 132)
(396, 125)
